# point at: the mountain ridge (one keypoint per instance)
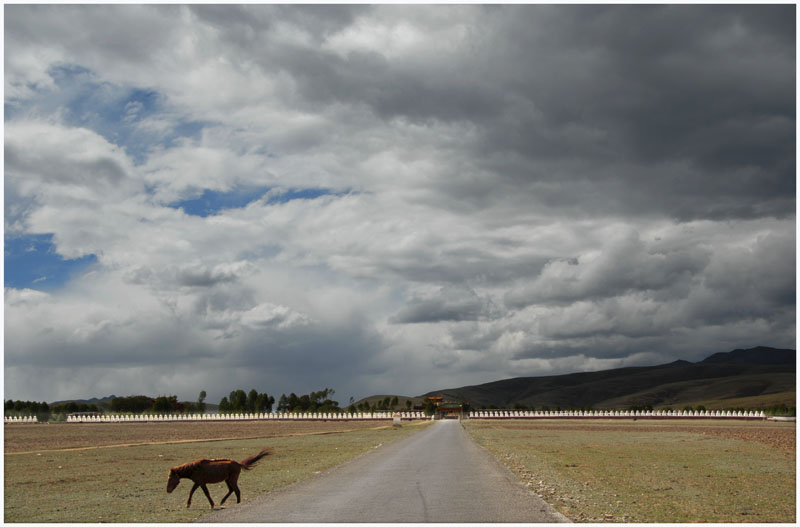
(754, 376)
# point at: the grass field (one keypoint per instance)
(118, 472)
(652, 471)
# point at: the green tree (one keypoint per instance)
(134, 404)
(304, 404)
(250, 405)
(781, 409)
(283, 403)
(224, 406)
(313, 402)
(238, 401)
(263, 403)
(293, 402)
(27, 408)
(165, 404)
(201, 402)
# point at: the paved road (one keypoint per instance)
(437, 475)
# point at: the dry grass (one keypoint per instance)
(128, 483)
(652, 471)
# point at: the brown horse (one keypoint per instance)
(203, 471)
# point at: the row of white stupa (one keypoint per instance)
(482, 414)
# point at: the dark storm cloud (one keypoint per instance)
(110, 28)
(625, 265)
(679, 110)
(599, 347)
(449, 304)
(110, 344)
(248, 22)
(670, 104)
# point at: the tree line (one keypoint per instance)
(163, 404)
(251, 403)
(134, 404)
(312, 402)
(386, 404)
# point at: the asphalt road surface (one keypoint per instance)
(437, 475)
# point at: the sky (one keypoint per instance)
(390, 199)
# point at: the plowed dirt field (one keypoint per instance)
(58, 436)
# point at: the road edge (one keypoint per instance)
(551, 511)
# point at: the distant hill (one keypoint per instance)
(103, 402)
(751, 378)
(759, 355)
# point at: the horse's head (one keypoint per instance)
(173, 480)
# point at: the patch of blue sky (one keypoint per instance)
(31, 262)
(113, 111)
(212, 202)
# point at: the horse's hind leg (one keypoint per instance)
(230, 491)
(233, 481)
(208, 495)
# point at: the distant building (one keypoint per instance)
(446, 409)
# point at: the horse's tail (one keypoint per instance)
(252, 461)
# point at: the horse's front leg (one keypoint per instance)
(194, 488)
(208, 494)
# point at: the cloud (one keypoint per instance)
(394, 199)
(623, 263)
(452, 303)
(45, 158)
(197, 276)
